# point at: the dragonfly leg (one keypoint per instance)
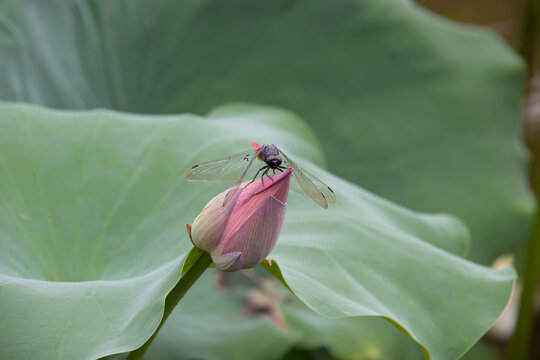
(266, 173)
(264, 167)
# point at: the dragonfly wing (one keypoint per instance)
(233, 167)
(248, 170)
(309, 184)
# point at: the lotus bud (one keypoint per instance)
(241, 233)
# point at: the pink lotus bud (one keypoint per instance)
(240, 234)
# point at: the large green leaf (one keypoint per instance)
(227, 332)
(92, 220)
(352, 338)
(210, 325)
(412, 107)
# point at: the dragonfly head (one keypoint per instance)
(271, 157)
(273, 163)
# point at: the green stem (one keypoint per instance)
(521, 340)
(176, 294)
(529, 34)
(520, 345)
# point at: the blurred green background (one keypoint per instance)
(422, 109)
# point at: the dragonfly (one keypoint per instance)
(239, 166)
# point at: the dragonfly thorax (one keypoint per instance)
(270, 156)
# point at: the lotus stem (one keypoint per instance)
(174, 297)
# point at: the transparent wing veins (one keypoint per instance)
(234, 189)
(232, 167)
(311, 185)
